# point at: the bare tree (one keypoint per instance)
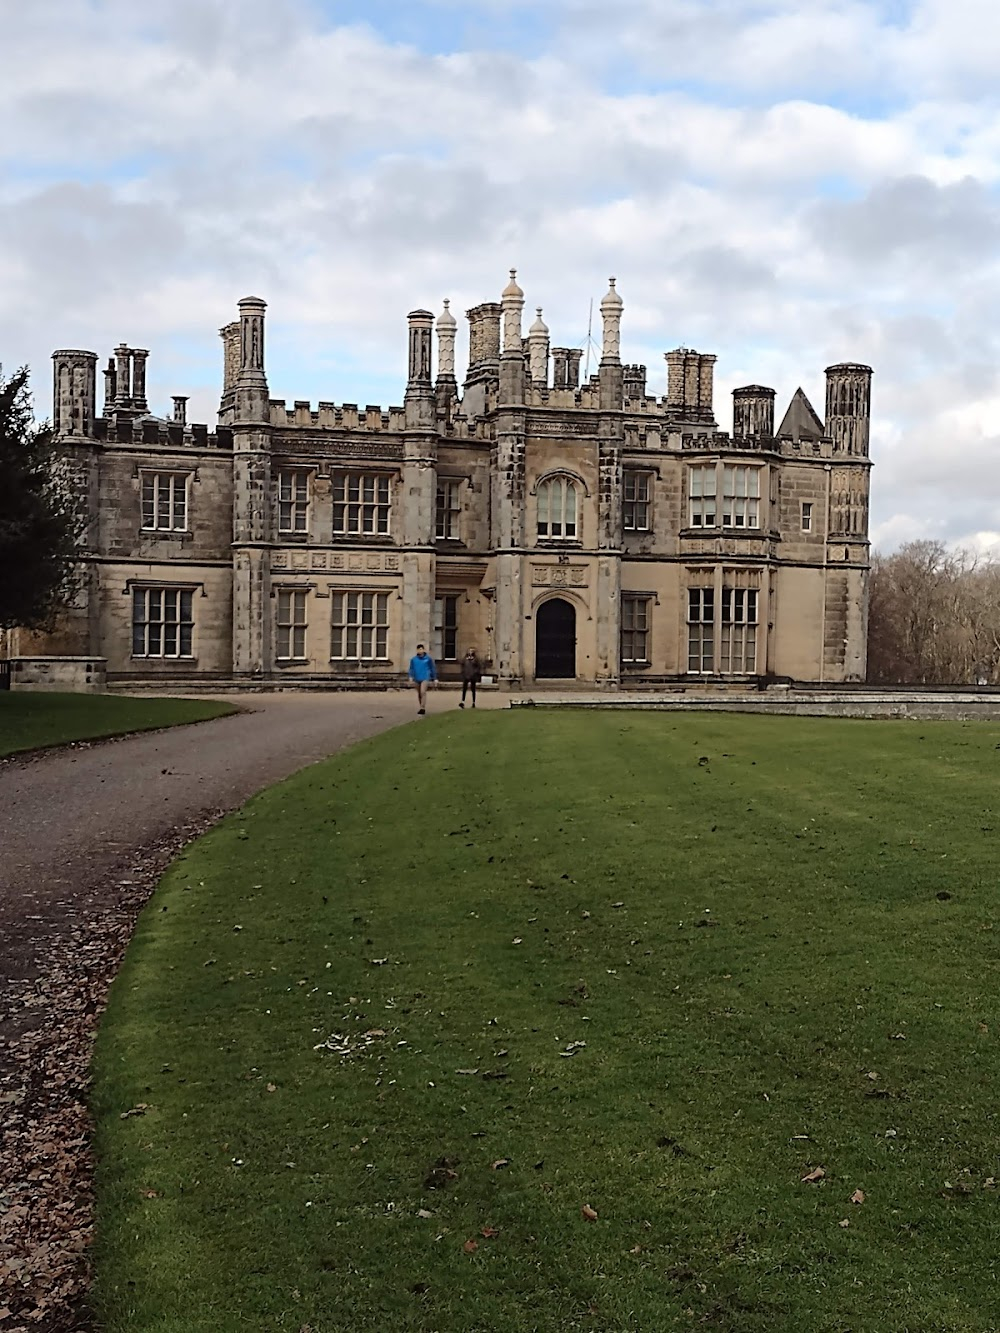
(934, 617)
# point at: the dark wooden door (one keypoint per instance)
(555, 641)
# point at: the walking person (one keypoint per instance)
(472, 674)
(422, 673)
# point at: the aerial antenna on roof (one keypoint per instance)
(590, 340)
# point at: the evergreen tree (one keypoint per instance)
(38, 522)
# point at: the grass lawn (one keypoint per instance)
(391, 1030)
(31, 721)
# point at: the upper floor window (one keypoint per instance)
(162, 622)
(361, 504)
(165, 501)
(701, 493)
(291, 624)
(740, 496)
(293, 501)
(635, 501)
(807, 516)
(557, 508)
(448, 512)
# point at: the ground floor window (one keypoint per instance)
(162, 622)
(737, 630)
(360, 626)
(445, 648)
(635, 628)
(291, 620)
(701, 630)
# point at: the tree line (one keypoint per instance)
(934, 617)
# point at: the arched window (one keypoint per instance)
(557, 508)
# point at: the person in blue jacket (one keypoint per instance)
(422, 672)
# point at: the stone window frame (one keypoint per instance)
(381, 507)
(294, 503)
(287, 624)
(451, 512)
(574, 485)
(701, 628)
(648, 477)
(145, 587)
(154, 476)
(646, 600)
(721, 505)
(445, 635)
(340, 624)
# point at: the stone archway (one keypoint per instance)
(555, 640)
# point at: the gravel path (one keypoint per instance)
(85, 832)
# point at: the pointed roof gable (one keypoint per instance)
(801, 421)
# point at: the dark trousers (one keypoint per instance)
(466, 686)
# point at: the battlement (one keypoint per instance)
(151, 432)
(328, 416)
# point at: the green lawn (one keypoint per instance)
(661, 967)
(32, 721)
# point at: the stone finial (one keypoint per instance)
(512, 301)
(538, 350)
(611, 313)
(447, 332)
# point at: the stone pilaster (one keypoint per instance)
(509, 500)
(419, 486)
(252, 500)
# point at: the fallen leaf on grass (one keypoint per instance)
(589, 1213)
(470, 1246)
(500, 1163)
(858, 1196)
(467, 1071)
(423, 1212)
(150, 1194)
(490, 1233)
(815, 1176)
(843, 1222)
(141, 1109)
(272, 1087)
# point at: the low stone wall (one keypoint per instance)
(70, 675)
(953, 705)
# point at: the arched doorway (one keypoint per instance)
(555, 640)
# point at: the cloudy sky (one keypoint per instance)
(783, 182)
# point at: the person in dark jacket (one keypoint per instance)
(472, 674)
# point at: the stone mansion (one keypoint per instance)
(592, 532)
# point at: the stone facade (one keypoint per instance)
(590, 531)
